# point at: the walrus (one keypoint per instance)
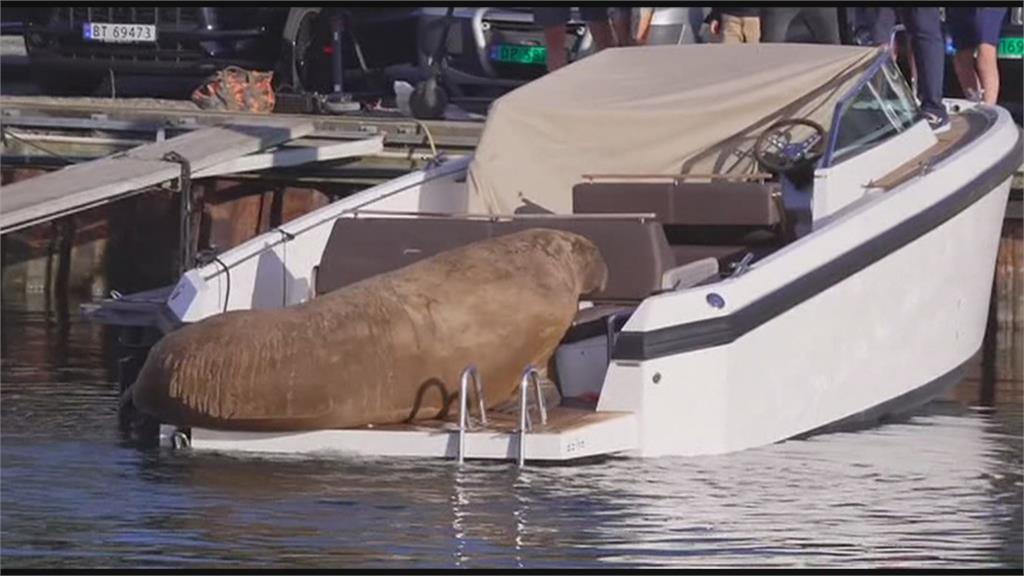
(387, 349)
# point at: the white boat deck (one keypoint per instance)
(570, 433)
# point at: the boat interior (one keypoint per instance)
(657, 233)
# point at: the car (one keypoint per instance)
(73, 49)
(491, 50)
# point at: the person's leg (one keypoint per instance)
(597, 21)
(752, 29)
(960, 23)
(988, 72)
(824, 24)
(775, 23)
(643, 26)
(989, 23)
(732, 29)
(884, 20)
(553, 20)
(602, 34)
(963, 65)
(622, 24)
(928, 45)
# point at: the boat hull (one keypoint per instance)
(884, 325)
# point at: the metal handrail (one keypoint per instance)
(503, 217)
(760, 176)
(470, 372)
(530, 373)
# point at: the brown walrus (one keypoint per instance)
(381, 350)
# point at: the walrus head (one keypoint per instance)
(590, 265)
(578, 254)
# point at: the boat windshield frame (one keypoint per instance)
(830, 157)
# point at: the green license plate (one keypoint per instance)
(1011, 47)
(519, 54)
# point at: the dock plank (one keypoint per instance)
(89, 184)
(310, 151)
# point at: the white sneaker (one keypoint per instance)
(938, 124)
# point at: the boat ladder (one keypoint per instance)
(530, 375)
(469, 373)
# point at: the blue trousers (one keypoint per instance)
(928, 44)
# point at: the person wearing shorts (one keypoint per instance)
(736, 24)
(553, 19)
(975, 33)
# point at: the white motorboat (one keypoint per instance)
(791, 250)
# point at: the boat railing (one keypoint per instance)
(469, 373)
(530, 374)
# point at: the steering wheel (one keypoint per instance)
(777, 151)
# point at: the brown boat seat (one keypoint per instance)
(685, 253)
(683, 203)
(593, 321)
(635, 250)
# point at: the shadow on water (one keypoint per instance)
(942, 488)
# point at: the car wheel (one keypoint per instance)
(302, 66)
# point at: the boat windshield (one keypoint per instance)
(877, 109)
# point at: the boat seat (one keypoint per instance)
(635, 250)
(688, 275)
(724, 254)
(684, 203)
(593, 321)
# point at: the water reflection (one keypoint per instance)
(942, 489)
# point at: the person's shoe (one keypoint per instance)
(938, 124)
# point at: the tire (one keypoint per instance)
(300, 67)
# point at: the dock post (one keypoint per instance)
(987, 390)
(62, 282)
(185, 249)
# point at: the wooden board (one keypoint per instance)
(300, 152)
(89, 184)
(962, 129)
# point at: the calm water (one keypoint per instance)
(941, 489)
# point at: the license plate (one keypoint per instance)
(1011, 47)
(519, 54)
(105, 32)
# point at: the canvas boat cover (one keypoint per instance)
(650, 110)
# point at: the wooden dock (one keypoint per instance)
(47, 131)
(81, 186)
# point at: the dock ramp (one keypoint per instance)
(82, 186)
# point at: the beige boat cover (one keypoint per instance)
(650, 110)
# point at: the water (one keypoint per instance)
(942, 489)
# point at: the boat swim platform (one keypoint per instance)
(570, 434)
